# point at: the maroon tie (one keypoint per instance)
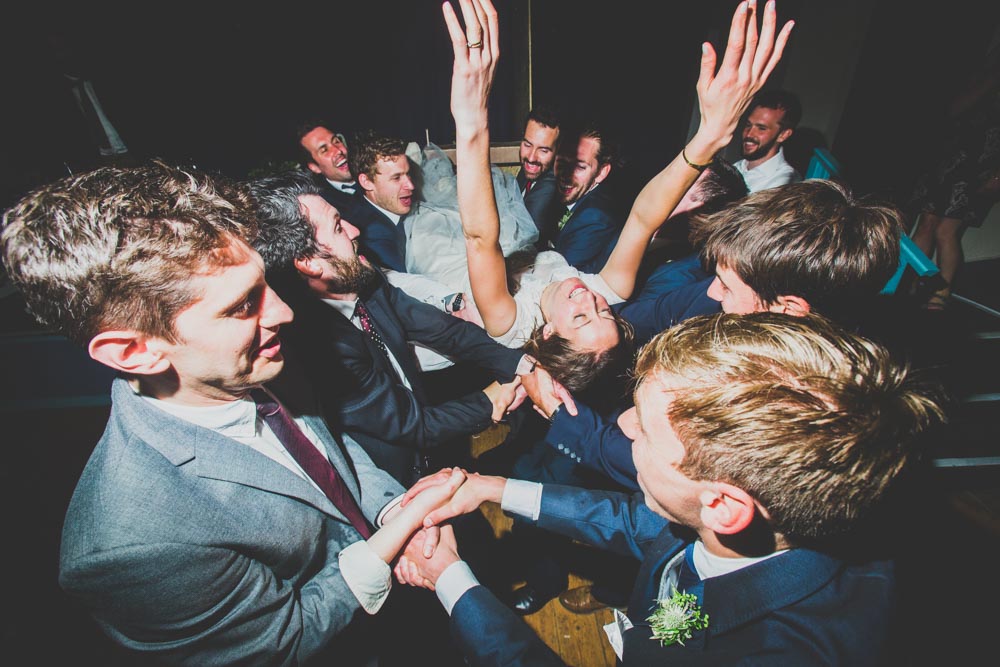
(366, 323)
(312, 462)
(527, 186)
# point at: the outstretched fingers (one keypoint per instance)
(750, 43)
(779, 49)
(737, 41)
(458, 41)
(762, 56)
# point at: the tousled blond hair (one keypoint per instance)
(813, 422)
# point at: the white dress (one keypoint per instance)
(549, 267)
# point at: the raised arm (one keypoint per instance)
(476, 53)
(723, 97)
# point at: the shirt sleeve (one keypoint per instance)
(367, 575)
(456, 579)
(522, 498)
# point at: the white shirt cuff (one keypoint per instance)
(389, 506)
(456, 579)
(525, 365)
(368, 576)
(522, 498)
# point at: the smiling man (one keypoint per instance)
(537, 154)
(587, 229)
(324, 153)
(386, 196)
(801, 248)
(745, 503)
(353, 326)
(771, 121)
(218, 520)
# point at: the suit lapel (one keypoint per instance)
(394, 336)
(209, 455)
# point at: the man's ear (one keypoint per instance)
(790, 305)
(603, 172)
(366, 183)
(314, 168)
(308, 267)
(726, 509)
(129, 352)
(785, 135)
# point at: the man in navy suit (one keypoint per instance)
(536, 177)
(386, 196)
(324, 153)
(367, 379)
(586, 231)
(746, 505)
(800, 248)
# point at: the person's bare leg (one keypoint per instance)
(925, 233)
(949, 248)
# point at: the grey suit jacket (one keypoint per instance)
(187, 544)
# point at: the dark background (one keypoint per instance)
(222, 84)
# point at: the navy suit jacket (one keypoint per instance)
(344, 202)
(381, 241)
(652, 315)
(590, 234)
(362, 393)
(542, 201)
(801, 607)
(595, 440)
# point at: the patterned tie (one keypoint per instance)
(366, 323)
(312, 462)
(565, 217)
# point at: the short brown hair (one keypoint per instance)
(115, 248)
(369, 148)
(811, 239)
(813, 422)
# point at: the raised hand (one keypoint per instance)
(477, 49)
(476, 52)
(750, 58)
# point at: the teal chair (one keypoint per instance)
(824, 165)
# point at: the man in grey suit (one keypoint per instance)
(218, 520)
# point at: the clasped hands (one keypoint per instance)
(429, 552)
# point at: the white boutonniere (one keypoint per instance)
(676, 619)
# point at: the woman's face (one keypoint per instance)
(580, 316)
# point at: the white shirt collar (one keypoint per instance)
(709, 565)
(340, 186)
(770, 165)
(236, 419)
(389, 214)
(344, 307)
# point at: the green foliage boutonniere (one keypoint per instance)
(676, 619)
